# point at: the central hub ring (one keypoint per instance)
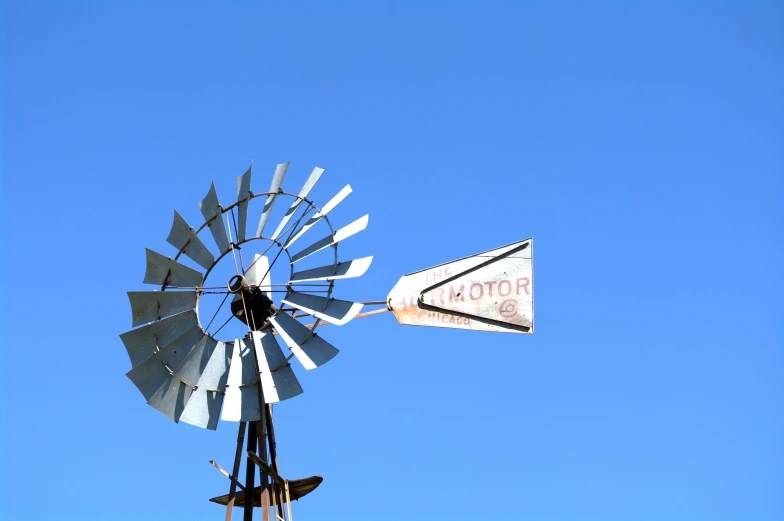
(236, 283)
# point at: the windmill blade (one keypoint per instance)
(145, 341)
(320, 215)
(149, 375)
(277, 378)
(148, 306)
(211, 210)
(203, 408)
(277, 181)
(185, 239)
(241, 401)
(173, 395)
(337, 312)
(243, 196)
(342, 270)
(308, 186)
(310, 349)
(343, 233)
(162, 269)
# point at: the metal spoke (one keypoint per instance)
(307, 210)
(231, 242)
(236, 234)
(216, 311)
(293, 229)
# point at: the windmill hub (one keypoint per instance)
(258, 305)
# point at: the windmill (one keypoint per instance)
(184, 370)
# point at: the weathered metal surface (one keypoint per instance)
(265, 467)
(490, 291)
(148, 306)
(243, 197)
(342, 270)
(226, 473)
(336, 311)
(182, 234)
(297, 489)
(320, 215)
(175, 392)
(277, 378)
(203, 408)
(343, 233)
(162, 269)
(241, 401)
(149, 375)
(308, 186)
(277, 181)
(143, 342)
(211, 210)
(310, 349)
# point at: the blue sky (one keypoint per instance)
(639, 144)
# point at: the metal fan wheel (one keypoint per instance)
(186, 372)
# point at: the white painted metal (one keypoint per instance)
(335, 311)
(203, 408)
(343, 233)
(277, 181)
(490, 291)
(241, 401)
(243, 196)
(310, 349)
(258, 274)
(309, 184)
(159, 267)
(148, 306)
(277, 378)
(149, 375)
(320, 214)
(343, 270)
(143, 342)
(181, 234)
(210, 209)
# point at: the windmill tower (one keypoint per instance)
(186, 371)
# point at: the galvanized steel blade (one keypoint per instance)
(320, 215)
(149, 375)
(175, 392)
(335, 311)
(309, 348)
(148, 306)
(277, 378)
(241, 401)
(185, 239)
(342, 270)
(309, 184)
(243, 197)
(142, 343)
(203, 408)
(277, 181)
(343, 233)
(489, 291)
(211, 210)
(162, 269)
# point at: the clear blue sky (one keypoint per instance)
(639, 144)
